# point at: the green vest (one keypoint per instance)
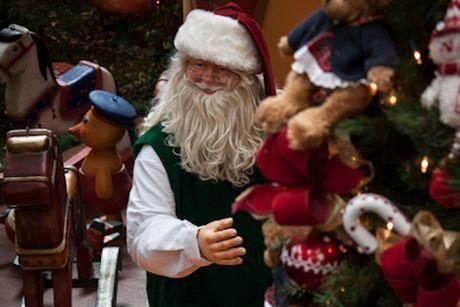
(201, 202)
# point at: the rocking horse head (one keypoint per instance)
(35, 95)
(15, 42)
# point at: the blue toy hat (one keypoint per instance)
(112, 107)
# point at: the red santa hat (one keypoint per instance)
(451, 22)
(228, 37)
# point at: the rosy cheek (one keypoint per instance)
(190, 76)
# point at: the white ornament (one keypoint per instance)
(444, 90)
(379, 205)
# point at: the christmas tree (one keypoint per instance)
(413, 151)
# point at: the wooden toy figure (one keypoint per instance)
(39, 93)
(105, 180)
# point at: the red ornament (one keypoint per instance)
(307, 262)
(441, 191)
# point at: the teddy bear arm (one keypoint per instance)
(103, 183)
(273, 112)
(309, 128)
(345, 102)
(378, 47)
(382, 76)
(283, 46)
(306, 29)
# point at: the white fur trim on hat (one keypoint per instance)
(218, 39)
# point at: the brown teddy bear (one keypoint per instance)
(339, 50)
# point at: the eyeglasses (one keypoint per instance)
(198, 70)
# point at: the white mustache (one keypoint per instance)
(207, 87)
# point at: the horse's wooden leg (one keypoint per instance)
(79, 236)
(33, 288)
(84, 264)
(62, 286)
(84, 254)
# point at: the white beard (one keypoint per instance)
(215, 134)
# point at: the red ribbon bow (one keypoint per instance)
(413, 275)
(301, 180)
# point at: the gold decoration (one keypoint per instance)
(443, 245)
(335, 206)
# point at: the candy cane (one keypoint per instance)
(379, 205)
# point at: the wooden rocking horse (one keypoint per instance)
(50, 226)
(37, 97)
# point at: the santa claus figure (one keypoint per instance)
(196, 155)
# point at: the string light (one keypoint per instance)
(342, 289)
(418, 57)
(424, 164)
(157, 2)
(390, 226)
(392, 100)
(373, 88)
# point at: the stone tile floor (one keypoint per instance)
(131, 282)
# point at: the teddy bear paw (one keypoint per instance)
(382, 76)
(271, 114)
(306, 134)
(283, 46)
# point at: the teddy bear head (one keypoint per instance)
(349, 10)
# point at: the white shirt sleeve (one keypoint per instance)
(157, 240)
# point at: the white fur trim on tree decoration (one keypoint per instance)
(218, 39)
